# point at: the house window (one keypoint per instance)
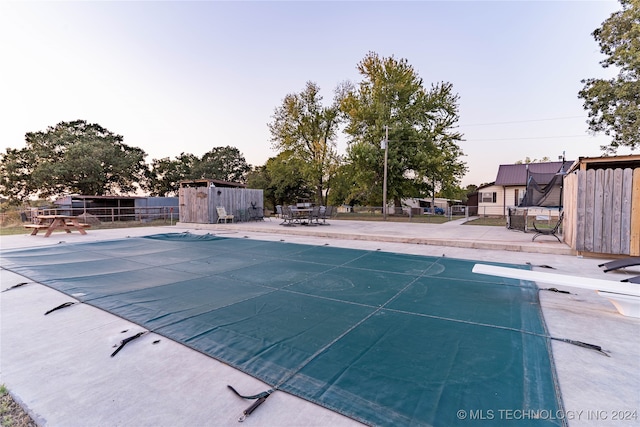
(488, 197)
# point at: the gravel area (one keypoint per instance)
(11, 414)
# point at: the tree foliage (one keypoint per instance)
(281, 179)
(166, 174)
(342, 184)
(72, 157)
(307, 130)
(614, 104)
(527, 160)
(423, 155)
(223, 163)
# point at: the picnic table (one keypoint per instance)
(50, 223)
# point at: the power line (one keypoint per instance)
(533, 137)
(523, 121)
(498, 139)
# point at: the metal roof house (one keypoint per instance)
(510, 186)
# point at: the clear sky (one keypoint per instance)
(173, 77)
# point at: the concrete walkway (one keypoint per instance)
(453, 234)
(59, 367)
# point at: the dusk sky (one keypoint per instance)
(173, 77)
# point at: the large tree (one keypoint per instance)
(307, 130)
(281, 179)
(72, 157)
(166, 174)
(423, 155)
(224, 163)
(614, 104)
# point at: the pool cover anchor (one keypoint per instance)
(61, 306)
(16, 286)
(556, 290)
(127, 341)
(593, 347)
(260, 398)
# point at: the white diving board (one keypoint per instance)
(624, 296)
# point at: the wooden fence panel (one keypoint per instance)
(581, 200)
(598, 203)
(616, 211)
(198, 204)
(569, 204)
(607, 211)
(236, 201)
(607, 214)
(635, 214)
(194, 205)
(589, 209)
(625, 218)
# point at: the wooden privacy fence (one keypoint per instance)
(198, 204)
(602, 211)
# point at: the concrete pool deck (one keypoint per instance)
(58, 367)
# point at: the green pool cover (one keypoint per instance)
(383, 338)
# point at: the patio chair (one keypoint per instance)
(289, 215)
(294, 213)
(549, 231)
(326, 214)
(285, 215)
(315, 214)
(255, 213)
(222, 214)
(635, 279)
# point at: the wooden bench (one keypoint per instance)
(36, 226)
(70, 224)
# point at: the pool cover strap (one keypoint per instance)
(16, 286)
(261, 397)
(61, 306)
(127, 341)
(583, 344)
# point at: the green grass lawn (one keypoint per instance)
(426, 219)
(502, 222)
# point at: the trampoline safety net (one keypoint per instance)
(383, 338)
(543, 190)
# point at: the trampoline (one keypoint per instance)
(383, 338)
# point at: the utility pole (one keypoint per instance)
(384, 182)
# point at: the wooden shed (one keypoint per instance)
(602, 205)
(199, 199)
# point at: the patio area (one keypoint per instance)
(76, 383)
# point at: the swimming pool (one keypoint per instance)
(384, 338)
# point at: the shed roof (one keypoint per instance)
(516, 174)
(607, 162)
(65, 200)
(209, 182)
